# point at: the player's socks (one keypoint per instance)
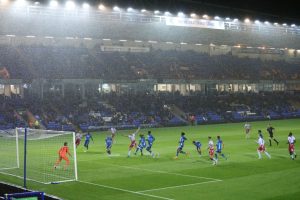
(128, 153)
(224, 156)
(259, 155)
(270, 141)
(177, 153)
(276, 142)
(269, 156)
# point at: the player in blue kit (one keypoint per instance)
(220, 146)
(88, 137)
(142, 144)
(150, 140)
(198, 147)
(108, 142)
(181, 145)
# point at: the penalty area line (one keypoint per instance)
(179, 186)
(164, 172)
(124, 190)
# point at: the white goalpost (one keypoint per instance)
(38, 158)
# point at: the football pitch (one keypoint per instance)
(241, 176)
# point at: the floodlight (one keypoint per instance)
(156, 12)
(36, 3)
(21, 2)
(256, 21)
(205, 16)
(284, 24)
(4, 2)
(266, 22)
(116, 8)
(85, 6)
(101, 7)
(53, 3)
(180, 14)
(167, 13)
(193, 15)
(70, 5)
(217, 18)
(235, 20)
(227, 18)
(247, 20)
(129, 9)
(276, 24)
(293, 25)
(143, 10)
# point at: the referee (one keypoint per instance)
(270, 130)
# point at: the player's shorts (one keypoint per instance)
(219, 151)
(108, 146)
(77, 142)
(198, 148)
(211, 152)
(180, 148)
(261, 148)
(291, 148)
(132, 144)
(271, 135)
(86, 143)
(247, 130)
(64, 157)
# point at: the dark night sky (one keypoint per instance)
(271, 10)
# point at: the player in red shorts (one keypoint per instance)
(78, 139)
(261, 147)
(132, 141)
(62, 155)
(291, 142)
(211, 151)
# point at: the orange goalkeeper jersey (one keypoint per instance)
(63, 151)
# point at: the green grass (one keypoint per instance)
(242, 176)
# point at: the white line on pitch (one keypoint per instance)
(124, 190)
(177, 186)
(164, 172)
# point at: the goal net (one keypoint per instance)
(45, 163)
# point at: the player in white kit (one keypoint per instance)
(247, 128)
(132, 141)
(261, 146)
(291, 143)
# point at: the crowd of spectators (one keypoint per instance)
(129, 110)
(31, 62)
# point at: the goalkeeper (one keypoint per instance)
(62, 154)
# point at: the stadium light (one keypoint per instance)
(137, 41)
(217, 18)
(256, 21)
(180, 14)
(53, 4)
(129, 9)
(36, 3)
(276, 24)
(21, 2)
(293, 25)
(247, 20)
(193, 15)
(167, 13)
(205, 16)
(4, 2)
(183, 43)
(156, 12)
(266, 22)
(143, 10)
(70, 5)
(284, 24)
(101, 7)
(116, 8)
(85, 6)
(169, 42)
(235, 20)
(227, 18)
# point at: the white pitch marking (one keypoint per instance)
(164, 172)
(124, 190)
(176, 186)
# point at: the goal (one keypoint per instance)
(31, 154)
